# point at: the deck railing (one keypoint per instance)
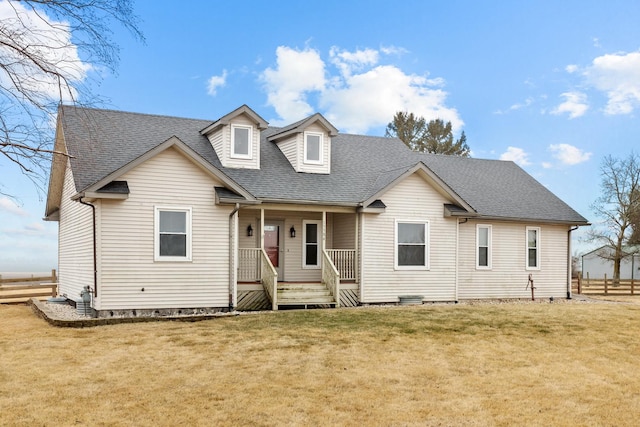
(331, 277)
(269, 279)
(345, 262)
(249, 264)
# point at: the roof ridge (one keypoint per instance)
(109, 110)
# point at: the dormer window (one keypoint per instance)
(313, 148)
(241, 137)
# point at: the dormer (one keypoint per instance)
(236, 138)
(307, 144)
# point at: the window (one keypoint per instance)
(533, 248)
(311, 244)
(173, 234)
(313, 148)
(241, 141)
(412, 250)
(483, 245)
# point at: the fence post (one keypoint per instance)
(632, 285)
(579, 282)
(54, 278)
(606, 288)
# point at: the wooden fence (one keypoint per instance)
(605, 286)
(20, 289)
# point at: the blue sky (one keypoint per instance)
(553, 86)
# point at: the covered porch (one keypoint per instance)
(296, 256)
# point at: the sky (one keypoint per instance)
(551, 85)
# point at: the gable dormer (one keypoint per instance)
(307, 144)
(236, 138)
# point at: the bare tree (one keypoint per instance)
(617, 204)
(48, 48)
(434, 136)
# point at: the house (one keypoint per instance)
(164, 213)
(599, 263)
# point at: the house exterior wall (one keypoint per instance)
(508, 275)
(411, 199)
(130, 278)
(75, 241)
(344, 231)
(595, 267)
(293, 149)
(290, 149)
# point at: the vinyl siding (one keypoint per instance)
(508, 276)
(130, 278)
(75, 253)
(411, 199)
(325, 167)
(290, 149)
(344, 231)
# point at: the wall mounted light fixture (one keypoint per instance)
(292, 232)
(249, 231)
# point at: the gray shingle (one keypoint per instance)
(103, 141)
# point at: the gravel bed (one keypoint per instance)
(68, 312)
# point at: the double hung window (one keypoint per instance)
(172, 234)
(241, 137)
(412, 245)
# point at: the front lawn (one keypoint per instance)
(509, 364)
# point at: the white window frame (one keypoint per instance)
(320, 160)
(537, 248)
(489, 246)
(249, 154)
(427, 239)
(188, 212)
(304, 243)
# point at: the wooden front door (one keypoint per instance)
(273, 245)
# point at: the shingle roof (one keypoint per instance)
(103, 141)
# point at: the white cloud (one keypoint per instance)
(527, 102)
(568, 154)
(361, 93)
(571, 68)
(35, 30)
(618, 75)
(575, 103)
(547, 165)
(296, 74)
(8, 205)
(216, 82)
(516, 155)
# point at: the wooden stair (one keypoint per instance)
(304, 294)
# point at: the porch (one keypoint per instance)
(259, 289)
(296, 257)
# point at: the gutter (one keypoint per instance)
(95, 258)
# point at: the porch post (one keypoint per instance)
(324, 230)
(262, 228)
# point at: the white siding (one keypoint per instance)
(290, 148)
(130, 278)
(508, 276)
(344, 231)
(411, 199)
(75, 253)
(221, 142)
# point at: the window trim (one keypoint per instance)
(156, 226)
(489, 265)
(427, 239)
(304, 244)
(537, 248)
(233, 153)
(320, 160)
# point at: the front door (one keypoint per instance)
(273, 245)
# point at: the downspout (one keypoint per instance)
(457, 271)
(570, 265)
(232, 257)
(95, 258)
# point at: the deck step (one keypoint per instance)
(307, 301)
(296, 286)
(305, 293)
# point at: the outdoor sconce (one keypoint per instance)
(249, 231)
(292, 231)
